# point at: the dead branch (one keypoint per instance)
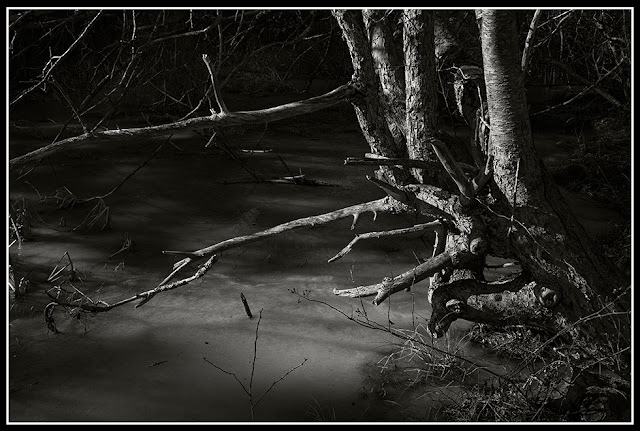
(395, 232)
(526, 52)
(452, 168)
(146, 296)
(374, 159)
(216, 91)
(55, 61)
(408, 197)
(407, 279)
(585, 81)
(382, 205)
(288, 110)
(113, 190)
(593, 86)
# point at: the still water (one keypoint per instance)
(188, 354)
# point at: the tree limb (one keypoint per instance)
(313, 104)
(526, 52)
(216, 90)
(403, 281)
(382, 205)
(409, 198)
(413, 229)
(452, 168)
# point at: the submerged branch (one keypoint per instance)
(408, 163)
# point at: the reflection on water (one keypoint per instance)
(148, 363)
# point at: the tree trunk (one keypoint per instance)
(421, 96)
(541, 228)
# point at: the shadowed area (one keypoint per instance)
(148, 364)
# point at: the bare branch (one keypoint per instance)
(526, 52)
(103, 307)
(216, 92)
(395, 232)
(583, 92)
(288, 110)
(585, 81)
(56, 62)
(383, 205)
(409, 198)
(387, 287)
(452, 168)
(374, 159)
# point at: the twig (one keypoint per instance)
(57, 61)
(126, 178)
(246, 305)
(249, 390)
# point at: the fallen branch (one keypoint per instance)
(145, 296)
(382, 205)
(376, 160)
(288, 110)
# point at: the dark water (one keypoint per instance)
(154, 363)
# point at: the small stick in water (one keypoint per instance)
(246, 305)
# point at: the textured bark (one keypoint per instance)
(421, 96)
(369, 110)
(544, 235)
(389, 65)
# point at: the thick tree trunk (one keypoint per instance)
(421, 96)
(370, 108)
(542, 229)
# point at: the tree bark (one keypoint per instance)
(544, 234)
(421, 97)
